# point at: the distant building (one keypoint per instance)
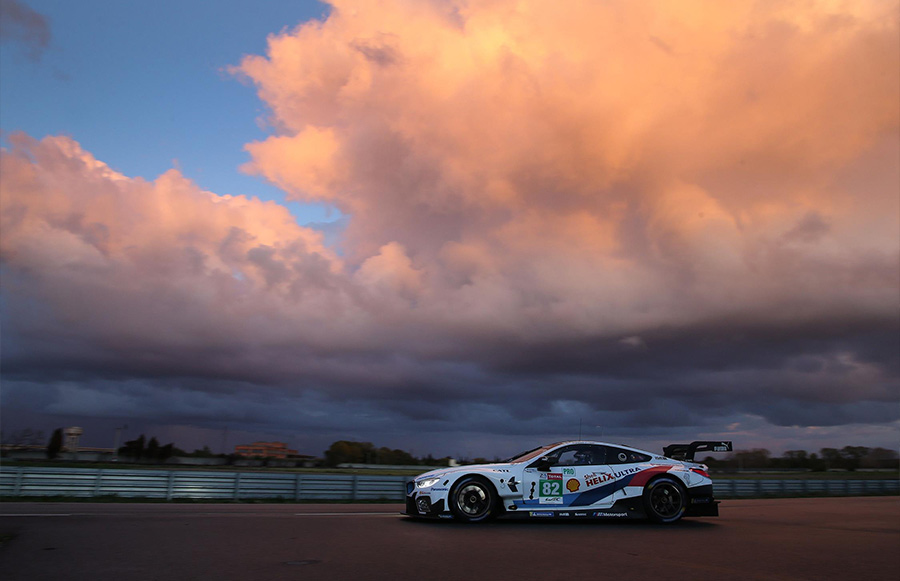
(265, 450)
(73, 434)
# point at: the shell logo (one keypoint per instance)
(572, 485)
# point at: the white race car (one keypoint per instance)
(577, 479)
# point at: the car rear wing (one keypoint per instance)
(687, 451)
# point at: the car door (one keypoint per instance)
(560, 479)
(591, 488)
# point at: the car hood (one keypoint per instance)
(451, 470)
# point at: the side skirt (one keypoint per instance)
(629, 508)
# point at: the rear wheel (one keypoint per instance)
(472, 500)
(665, 500)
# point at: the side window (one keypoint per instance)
(579, 455)
(564, 457)
(620, 456)
(597, 454)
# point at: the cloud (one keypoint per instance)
(21, 25)
(150, 270)
(657, 216)
(585, 165)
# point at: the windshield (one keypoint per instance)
(526, 456)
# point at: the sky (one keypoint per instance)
(453, 227)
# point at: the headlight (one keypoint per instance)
(427, 482)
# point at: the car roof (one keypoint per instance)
(568, 442)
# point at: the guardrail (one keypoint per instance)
(803, 487)
(225, 486)
(218, 485)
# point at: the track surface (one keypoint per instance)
(812, 538)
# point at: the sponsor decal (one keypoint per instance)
(563, 514)
(540, 513)
(573, 485)
(550, 500)
(591, 480)
(445, 516)
(551, 487)
(568, 472)
(611, 514)
(626, 472)
(581, 514)
(439, 489)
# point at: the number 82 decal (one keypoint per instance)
(551, 488)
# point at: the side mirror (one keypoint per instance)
(543, 464)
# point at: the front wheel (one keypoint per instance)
(472, 500)
(665, 500)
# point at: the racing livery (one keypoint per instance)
(577, 479)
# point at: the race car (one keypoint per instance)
(575, 479)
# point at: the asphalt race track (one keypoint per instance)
(811, 538)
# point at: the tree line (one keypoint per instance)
(348, 452)
(847, 458)
(351, 452)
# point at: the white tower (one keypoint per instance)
(72, 435)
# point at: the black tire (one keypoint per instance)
(473, 500)
(665, 500)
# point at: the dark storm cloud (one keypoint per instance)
(731, 344)
(22, 26)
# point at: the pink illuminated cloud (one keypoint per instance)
(622, 165)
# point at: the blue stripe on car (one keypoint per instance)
(596, 494)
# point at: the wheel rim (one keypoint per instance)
(473, 500)
(666, 500)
